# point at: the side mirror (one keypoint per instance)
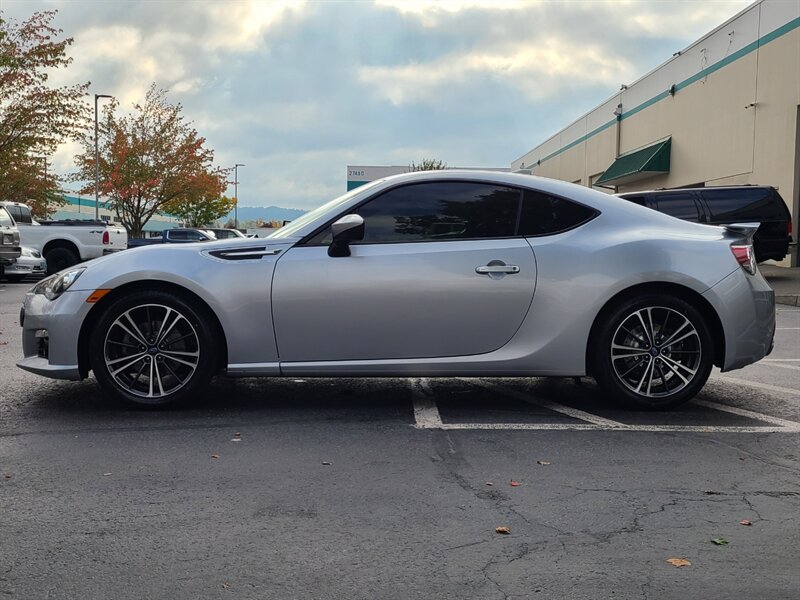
(350, 228)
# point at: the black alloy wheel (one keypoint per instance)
(152, 348)
(653, 352)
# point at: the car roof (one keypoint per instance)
(697, 189)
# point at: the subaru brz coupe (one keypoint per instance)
(442, 273)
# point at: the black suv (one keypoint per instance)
(725, 205)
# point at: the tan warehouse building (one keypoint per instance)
(724, 111)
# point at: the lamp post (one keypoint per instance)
(97, 160)
(44, 161)
(236, 194)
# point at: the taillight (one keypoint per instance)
(789, 227)
(746, 257)
(106, 237)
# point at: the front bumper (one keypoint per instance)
(28, 266)
(56, 353)
(745, 305)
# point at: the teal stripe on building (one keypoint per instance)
(751, 47)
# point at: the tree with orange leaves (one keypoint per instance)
(149, 160)
(35, 117)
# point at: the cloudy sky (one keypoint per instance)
(298, 90)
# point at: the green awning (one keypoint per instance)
(639, 164)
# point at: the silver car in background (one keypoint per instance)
(30, 262)
(445, 273)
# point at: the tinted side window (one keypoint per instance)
(21, 214)
(681, 206)
(640, 200)
(543, 214)
(755, 204)
(441, 211)
(177, 235)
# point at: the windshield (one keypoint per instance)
(320, 212)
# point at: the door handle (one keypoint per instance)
(489, 269)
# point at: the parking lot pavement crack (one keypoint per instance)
(752, 507)
(490, 579)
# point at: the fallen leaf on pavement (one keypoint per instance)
(106, 474)
(489, 483)
(720, 541)
(236, 440)
(7, 476)
(326, 463)
(745, 522)
(542, 462)
(514, 483)
(215, 456)
(679, 562)
(712, 493)
(226, 585)
(503, 530)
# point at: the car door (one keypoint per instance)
(440, 272)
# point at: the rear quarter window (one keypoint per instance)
(542, 214)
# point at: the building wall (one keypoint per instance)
(733, 116)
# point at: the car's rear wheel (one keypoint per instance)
(152, 348)
(59, 259)
(653, 352)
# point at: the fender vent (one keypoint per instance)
(249, 253)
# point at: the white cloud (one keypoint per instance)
(540, 69)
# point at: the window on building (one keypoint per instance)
(593, 179)
(105, 218)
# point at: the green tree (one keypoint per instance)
(149, 159)
(35, 117)
(428, 164)
(200, 208)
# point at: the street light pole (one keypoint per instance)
(236, 194)
(97, 159)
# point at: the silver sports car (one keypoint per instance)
(444, 273)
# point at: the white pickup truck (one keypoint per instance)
(66, 243)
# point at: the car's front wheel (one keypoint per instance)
(652, 352)
(152, 348)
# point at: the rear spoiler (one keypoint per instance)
(743, 230)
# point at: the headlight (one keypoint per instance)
(52, 287)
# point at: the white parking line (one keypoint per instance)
(755, 384)
(786, 366)
(555, 407)
(426, 415)
(791, 426)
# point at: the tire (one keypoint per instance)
(653, 352)
(59, 259)
(153, 349)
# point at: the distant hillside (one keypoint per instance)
(266, 213)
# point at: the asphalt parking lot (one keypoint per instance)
(394, 488)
